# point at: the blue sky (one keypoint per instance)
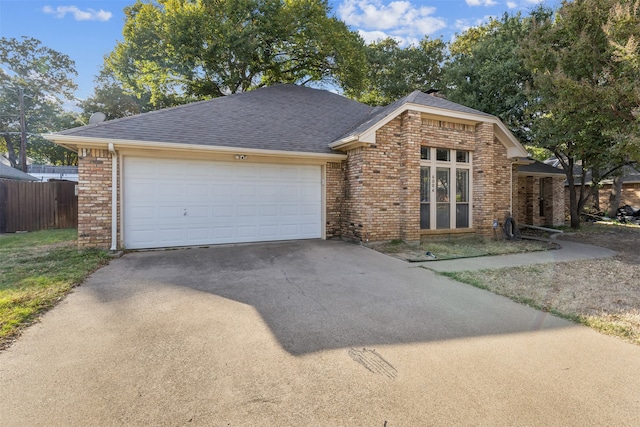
(87, 30)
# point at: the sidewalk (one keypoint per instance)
(569, 251)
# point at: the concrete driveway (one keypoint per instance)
(318, 333)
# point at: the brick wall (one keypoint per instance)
(527, 201)
(491, 181)
(94, 198)
(382, 182)
(630, 195)
(334, 185)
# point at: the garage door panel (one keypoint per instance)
(171, 202)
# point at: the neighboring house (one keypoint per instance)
(47, 172)
(629, 193)
(289, 162)
(7, 172)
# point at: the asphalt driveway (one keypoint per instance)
(306, 333)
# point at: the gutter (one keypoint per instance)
(114, 197)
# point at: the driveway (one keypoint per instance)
(306, 333)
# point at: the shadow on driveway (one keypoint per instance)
(319, 295)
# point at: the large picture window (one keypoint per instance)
(445, 189)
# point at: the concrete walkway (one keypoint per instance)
(308, 333)
(569, 251)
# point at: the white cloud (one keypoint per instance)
(481, 2)
(401, 20)
(78, 15)
(512, 4)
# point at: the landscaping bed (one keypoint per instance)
(441, 248)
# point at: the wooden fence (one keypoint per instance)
(32, 206)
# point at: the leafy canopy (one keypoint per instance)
(181, 50)
(45, 79)
(393, 71)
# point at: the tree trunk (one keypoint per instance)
(594, 189)
(574, 210)
(615, 195)
(11, 151)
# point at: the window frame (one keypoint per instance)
(453, 166)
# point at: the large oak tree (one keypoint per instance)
(182, 50)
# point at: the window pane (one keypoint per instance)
(443, 215)
(462, 215)
(442, 184)
(442, 155)
(462, 185)
(425, 216)
(462, 156)
(425, 183)
(425, 153)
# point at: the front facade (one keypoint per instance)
(417, 168)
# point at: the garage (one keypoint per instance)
(169, 202)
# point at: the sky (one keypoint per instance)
(87, 30)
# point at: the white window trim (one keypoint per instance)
(452, 165)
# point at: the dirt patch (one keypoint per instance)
(601, 293)
(459, 247)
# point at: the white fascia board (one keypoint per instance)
(542, 174)
(513, 146)
(73, 142)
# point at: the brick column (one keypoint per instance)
(94, 198)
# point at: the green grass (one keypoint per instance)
(38, 270)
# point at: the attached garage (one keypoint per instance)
(173, 202)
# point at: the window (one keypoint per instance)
(445, 182)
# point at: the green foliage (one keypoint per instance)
(176, 51)
(45, 77)
(583, 98)
(38, 269)
(485, 71)
(393, 72)
(110, 98)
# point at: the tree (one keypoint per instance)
(485, 70)
(183, 50)
(582, 101)
(110, 98)
(34, 81)
(393, 72)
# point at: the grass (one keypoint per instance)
(38, 270)
(609, 309)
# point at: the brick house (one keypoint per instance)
(288, 162)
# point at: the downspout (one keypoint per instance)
(114, 197)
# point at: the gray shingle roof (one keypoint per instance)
(282, 117)
(7, 172)
(540, 168)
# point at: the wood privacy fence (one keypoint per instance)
(32, 206)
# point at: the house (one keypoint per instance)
(56, 173)
(629, 191)
(288, 162)
(7, 172)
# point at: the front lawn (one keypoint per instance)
(38, 270)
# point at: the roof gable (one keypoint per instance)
(365, 133)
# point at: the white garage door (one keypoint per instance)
(185, 202)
